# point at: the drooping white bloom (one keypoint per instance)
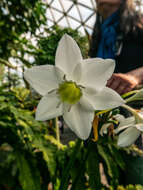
(136, 97)
(104, 129)
(73, 87)
(132, 126)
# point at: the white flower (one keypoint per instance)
(106, 126)
(132, 126)
(104, 129)
(73, 87)
(137, 96)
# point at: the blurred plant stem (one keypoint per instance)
(57, 130)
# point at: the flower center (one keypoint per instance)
(69, 92)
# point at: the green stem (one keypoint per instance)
(57, 130)
(66, 174)
(129, 109)
(138, 118)
(129, 94)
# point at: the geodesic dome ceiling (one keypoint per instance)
(77, 14)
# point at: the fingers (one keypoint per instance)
(121, 88)
(110, 81)
(114, 82)
(121, 83)
(127, 89)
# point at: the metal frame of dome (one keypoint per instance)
(77, 5)
(58, 7)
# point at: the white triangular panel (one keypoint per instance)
(71, 13)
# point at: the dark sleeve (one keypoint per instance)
(131, 55)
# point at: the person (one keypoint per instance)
(118, 34)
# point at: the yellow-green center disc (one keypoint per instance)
(69, 92)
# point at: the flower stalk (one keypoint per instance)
(129, 109)
(57, 130)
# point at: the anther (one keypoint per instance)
(69, 109)
(64, 78)
(80, 86)
(51, 91)
(58, 105)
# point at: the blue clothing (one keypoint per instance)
(106, 48)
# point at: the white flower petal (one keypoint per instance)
(128, 137)
(105, 99)
(104, 128)
(85, 100)
(59, 74)
(121, 128)
(47, 107)
(79, 121)
(119, 117)
(42, 78)
(137, 96)
(77, 72)
(67, 55)
(127, 121)
(140, 127)
(139, 117)
(66, 107)
(96, 72)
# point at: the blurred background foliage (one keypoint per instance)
(16, 18)
(31, 156)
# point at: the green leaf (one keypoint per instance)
(116, 154)
(139, 187)
(28, 178)
(66, 174)
(112, 169)
(93, 168)
(49, 152)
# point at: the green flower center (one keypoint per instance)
(69, 92)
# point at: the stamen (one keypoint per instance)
(80, 86)
(69, 109)
(58, 105)
(64, 78)
(51, 91)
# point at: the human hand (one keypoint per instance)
(122, 83)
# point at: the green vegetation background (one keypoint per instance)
(31, 157)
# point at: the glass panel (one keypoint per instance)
(63, 22)
(66, 13)
(74, 13)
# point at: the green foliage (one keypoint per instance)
(23, 143)
(130, 187)
(32, 158)
(93, 168)
(48, 45)
(16, 18)
(29, 175)
(30, 155)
